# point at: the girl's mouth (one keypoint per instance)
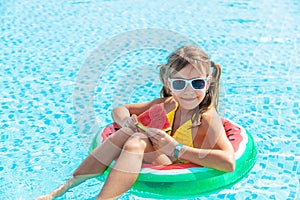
(188, 99)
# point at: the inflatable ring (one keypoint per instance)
(183, 180)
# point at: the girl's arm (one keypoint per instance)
(212, 158)
(120, 114)
(215, 150)
(212, 147)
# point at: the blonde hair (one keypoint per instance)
(201, 61)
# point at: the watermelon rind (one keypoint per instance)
(145, 128)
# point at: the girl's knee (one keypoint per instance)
(135, 143)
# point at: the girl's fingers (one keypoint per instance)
(152, 132)
(131, 123)
(134, 119)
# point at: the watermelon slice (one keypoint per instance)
(155, 117)
(233, 133)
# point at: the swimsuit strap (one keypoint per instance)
(183, 134)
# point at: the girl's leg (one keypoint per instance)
(95, 163)
(103, 155)
(126, 170)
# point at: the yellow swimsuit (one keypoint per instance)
(183, 134)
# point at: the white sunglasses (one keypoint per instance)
(180, 84)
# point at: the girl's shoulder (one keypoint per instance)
(211, 125)
(169, 104)
(210, 114)
(210, 119)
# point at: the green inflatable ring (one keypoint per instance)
(191, 180)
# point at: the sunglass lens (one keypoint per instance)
(178, 84)
(198, 84)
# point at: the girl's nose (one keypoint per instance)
(188, 88)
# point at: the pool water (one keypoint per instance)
(45, 47)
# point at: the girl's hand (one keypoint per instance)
(162, 141)
(131, 122)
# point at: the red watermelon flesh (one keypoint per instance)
(154, 117)
(233, 133)
(110, 129)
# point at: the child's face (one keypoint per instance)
(188, 98)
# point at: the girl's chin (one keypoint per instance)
(189, 105)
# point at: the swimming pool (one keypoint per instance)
(45, 45)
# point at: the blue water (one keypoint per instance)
(46, 46)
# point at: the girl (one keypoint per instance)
(190, 96)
